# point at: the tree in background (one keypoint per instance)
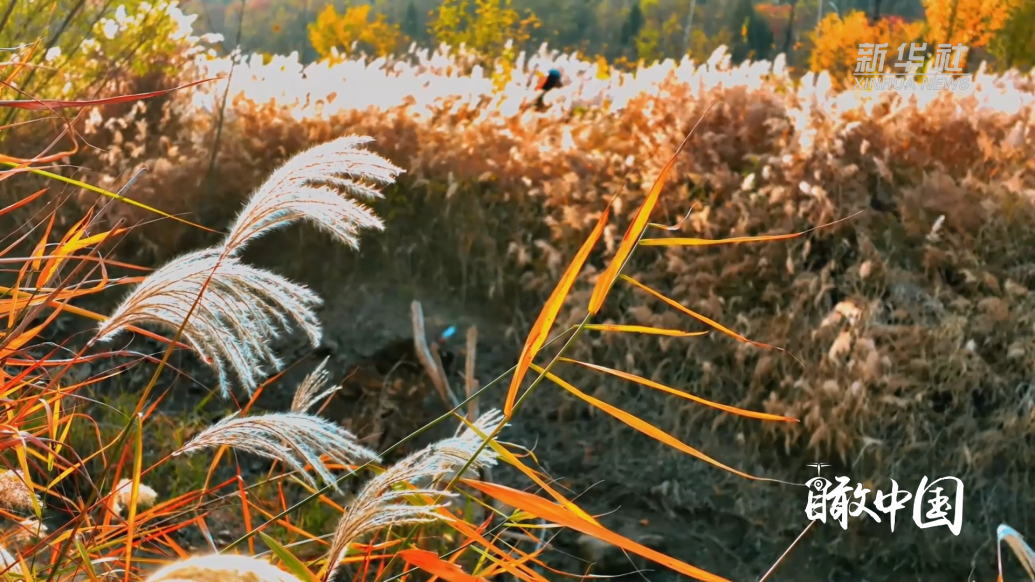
(411, 24)
(971, 23)
(1014, 44)
(702, 45)
(633, 29)
(355, 27)
(837, 42)
(661, 33)
(269, 27)
(485, 27)
(633, 24)
(755, 37)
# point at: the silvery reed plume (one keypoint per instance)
(244, 307)
(309, 186)
(221, 568)
(294, 438)
(381, 503)
(308, 392)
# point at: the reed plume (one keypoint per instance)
(241, 307)
(221, 568)
(383, 500)
(310, 186)
(294, 438)
(8, 563)
(308, 392)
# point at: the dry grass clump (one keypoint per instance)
(15, 492)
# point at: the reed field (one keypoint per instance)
(377, 319)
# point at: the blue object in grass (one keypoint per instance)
(447, 334)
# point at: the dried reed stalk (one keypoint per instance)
(428, 358)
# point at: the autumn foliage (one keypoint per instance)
(972, 23)
(355, 30)
(837, 42)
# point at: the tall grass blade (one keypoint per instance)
(103, 192)
(680, 393)
(710, 322)
(702, 242)
(556, 514)
(636, 229)
(432, 564)
(294, 565)
(48, 104)
(647, 428)
(643, 329)
(541, 328)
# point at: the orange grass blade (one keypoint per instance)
(41, 247)
(432, 564)
(512, 460)
(681, 394)
(246, 512)
(22, 202)
(47, 104)
(22, 62)
(702, 242)
(635, 230)
(704, 319)
(643, 329)
(541, 329)
(647, 428)
(131, 520)
(74, 244)
(516, 568)
(555, 513)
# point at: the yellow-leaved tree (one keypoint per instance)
(484, 26)
(661, 34)
(491, 28)
(972, 23)
(1014, 44)
(341, 31)
(837, 42)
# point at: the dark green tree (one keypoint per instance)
(411, 25)
(753, 35)
(633, 24)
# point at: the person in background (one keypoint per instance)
(552, 80)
